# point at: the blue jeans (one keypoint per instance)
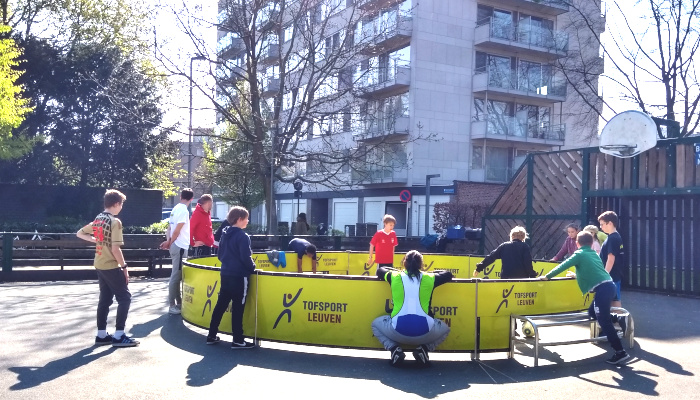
(600, 310)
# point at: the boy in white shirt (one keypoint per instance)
(177, 240)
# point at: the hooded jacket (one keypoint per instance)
(200, 227)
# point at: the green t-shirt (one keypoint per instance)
(107, 230)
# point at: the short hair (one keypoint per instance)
(592, 229)
(609, 216)
(518, 233)
(236, 213)
(389, 218)
(573, 225)
(311, 249)
(584, 238)
(205, 198)
(186, 194)
(113, 197)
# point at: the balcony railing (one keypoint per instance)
(386, 34)
(271, 86)
(490, 174)
(511, 128)
(499, 34)
(384, 127)
(378, 174)
(520, 83)
(546, 7)
(229, 44)
(383, 81)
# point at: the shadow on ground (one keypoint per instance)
(443, 377)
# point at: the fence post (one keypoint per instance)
(7, 252)
(336, 242)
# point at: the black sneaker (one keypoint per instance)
(124, 341)
(103, 341)
(213, 340)
(397, 355)
(244, 345)
(618, 357)
(421, 355)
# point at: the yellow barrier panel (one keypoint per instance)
(337, 310)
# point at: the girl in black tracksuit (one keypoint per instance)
(237, 264)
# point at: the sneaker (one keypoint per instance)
(244, 345)
(421, 355)
(618, 357)
(397, 355)
(124, 341)
(213, 340)
(103, 341)
(174, 310)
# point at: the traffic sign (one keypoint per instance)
(405, 196)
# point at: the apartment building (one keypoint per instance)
(460, 90)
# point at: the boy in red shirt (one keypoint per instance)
(384, 242)
(201, 232)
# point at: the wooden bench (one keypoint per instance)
(577, 318)
(64, 250)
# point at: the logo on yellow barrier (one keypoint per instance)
(210, 292)
(506, 294)
(286, 306)
(367, 267)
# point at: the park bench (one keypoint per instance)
(62, 250)
(578, 318)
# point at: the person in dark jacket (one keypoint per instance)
(237, 264)
(514, 255)
(303, 248)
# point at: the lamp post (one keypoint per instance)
(189, 143)
(427, 200)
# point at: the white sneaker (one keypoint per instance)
(174, 310)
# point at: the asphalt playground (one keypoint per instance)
(47, 333)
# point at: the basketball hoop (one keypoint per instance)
(628, 134)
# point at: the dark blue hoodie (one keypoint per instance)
(235, 253)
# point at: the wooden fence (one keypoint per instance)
(656, 194)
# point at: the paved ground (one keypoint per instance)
(47, 331)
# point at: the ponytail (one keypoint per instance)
(413, 262)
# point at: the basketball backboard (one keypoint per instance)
(628, 134)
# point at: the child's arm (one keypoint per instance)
(609, 264)
(489, 259)
(371, 251)
(571, 261)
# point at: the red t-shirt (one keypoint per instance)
(384, 244)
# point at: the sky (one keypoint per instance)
(174, 44)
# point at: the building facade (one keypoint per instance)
(460, 90)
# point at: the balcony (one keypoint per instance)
(384, 82)
(491, 174)
(524, 38)
(512, 129)
(375, 5)
(269, 54)
(389, 129)
(376, 174)
(545, 7)
(229, 45)
(513, 84)
(386, 35)
(270, 87)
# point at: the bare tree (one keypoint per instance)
(307, 86)
(649, 56)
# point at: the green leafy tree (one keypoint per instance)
(226, 167)
(100, 114)
(13, 107)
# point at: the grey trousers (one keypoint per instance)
(177, 254)
(387, 335)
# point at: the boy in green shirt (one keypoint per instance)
(592, 277)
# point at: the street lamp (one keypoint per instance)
(427, 200)
(189, 145)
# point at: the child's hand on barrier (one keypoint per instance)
(544, 278)
(570, 274)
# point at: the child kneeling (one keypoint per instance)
(411, 321)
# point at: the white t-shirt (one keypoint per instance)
(179, 215)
